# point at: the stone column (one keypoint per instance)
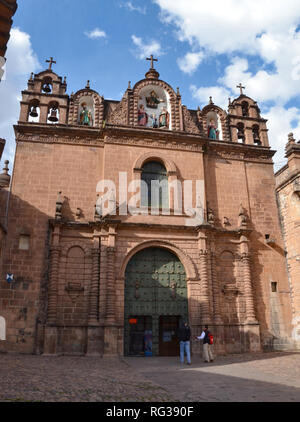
(51, 333)
(250, 312)
(53, 286)
(206, 317)
(94, 293)
(216, 290)
(110, 298)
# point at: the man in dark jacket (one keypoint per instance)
(184, 336)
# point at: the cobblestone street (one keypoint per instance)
(268, 377)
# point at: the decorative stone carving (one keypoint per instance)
(59, 204)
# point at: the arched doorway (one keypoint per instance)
(155, 303)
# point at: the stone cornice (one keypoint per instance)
(128, 135)
(9, 5)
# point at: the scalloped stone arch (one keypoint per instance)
(175, 102)
(186, 261)
(169, 164)
(98, 106)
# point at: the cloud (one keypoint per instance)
(219, 95)
(129, 6)
(245, 31)
(96, 34)
(190, 62)
(144, 50)
(21, 61)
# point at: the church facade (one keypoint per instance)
(102, 266)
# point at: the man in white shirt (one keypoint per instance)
(207, 349)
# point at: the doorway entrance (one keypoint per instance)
(155, 302)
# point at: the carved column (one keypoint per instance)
(216, 290)
(94, 293)
(53, 286)
(204, 287)
(110, 292)
(250, 311)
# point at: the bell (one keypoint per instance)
(33, 112)
(53, 115)
(47, 88)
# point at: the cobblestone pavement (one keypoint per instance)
(268, 377)
(265, 377)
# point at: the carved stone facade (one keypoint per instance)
(288, 198)
(7, 10)
(71, 277)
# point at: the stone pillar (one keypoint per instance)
(233, 132)
(110, 298)
(216, 291)
(206, 317)
(94, 293)
(250, 312)
(53, 286)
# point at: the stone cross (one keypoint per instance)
(241, 88)
(51, 62)
(152, 60)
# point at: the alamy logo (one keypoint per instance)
(157, 197)
(2, 328)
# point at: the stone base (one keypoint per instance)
(252, 342)
(111, 341)
(94, 341)
(50, 341)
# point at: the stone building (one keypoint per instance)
(288, 195)
(90, 277)
(7, 10)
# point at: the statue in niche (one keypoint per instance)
(213, 131)
(86, 118)
(164, 119)
(154, 121)
(153, 100)
(142, 116)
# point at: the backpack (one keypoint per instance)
(210, 339)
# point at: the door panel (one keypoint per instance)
(155, 286)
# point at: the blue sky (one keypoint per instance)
(204, 48)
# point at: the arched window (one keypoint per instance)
(156, 195)
(47, 85)
(245, 109)
(53, 113)
(256, 137)
(241, 132)
(34, 111)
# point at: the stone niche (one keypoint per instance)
(154, 109)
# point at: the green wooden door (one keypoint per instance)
(155, 286)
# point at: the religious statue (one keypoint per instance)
(164, 118)
(212, 132)
(86, 117)
(154, 121)
(142, 116)
(153, 100)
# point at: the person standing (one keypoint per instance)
(184, 336)
(207, 346)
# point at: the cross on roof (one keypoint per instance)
(241, 88)
(51, 62)
(152, 60)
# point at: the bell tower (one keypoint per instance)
(45, 101)
(245, 122)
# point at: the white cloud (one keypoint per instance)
(262, 29)
(190, 62)
(96, 34)
(21, 61)
(128, 5)
(219, 95)
(146, 49)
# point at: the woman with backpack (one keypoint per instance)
(207, 338)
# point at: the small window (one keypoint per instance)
(274, 286)
(24, 242)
